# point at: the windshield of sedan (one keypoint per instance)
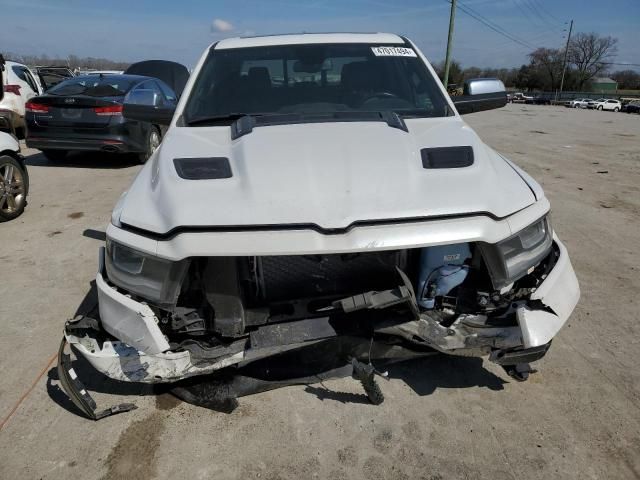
(314, 79)
(107, 86)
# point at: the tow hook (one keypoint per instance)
(365, 373)
(519, 372)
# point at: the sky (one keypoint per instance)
(136, 30)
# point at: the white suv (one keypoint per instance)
(319, 203)
(20, 85)
(610, 104)
(578, 103)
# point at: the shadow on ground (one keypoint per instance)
(424, 376)
(85, 160)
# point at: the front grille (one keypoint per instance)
(305, 276)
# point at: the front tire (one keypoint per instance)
(600, 107)
(616, 109)
(55, 155)
(152, 142)
(14, 187)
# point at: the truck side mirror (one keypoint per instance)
(481, 94)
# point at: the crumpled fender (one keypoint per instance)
(559, 292)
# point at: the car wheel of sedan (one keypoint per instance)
(55, 155)
(14, 186)
(153, 142)
(616, 109)
(600, 107)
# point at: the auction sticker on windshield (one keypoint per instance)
(393, 52)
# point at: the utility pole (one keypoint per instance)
(447, 60)
(564, 64)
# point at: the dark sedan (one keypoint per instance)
(632, 107)
(85, 114)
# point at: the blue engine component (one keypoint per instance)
(442, 269)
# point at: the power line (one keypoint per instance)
(621, 64)
(544, 10)
(493, 26)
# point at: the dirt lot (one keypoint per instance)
(579, 417)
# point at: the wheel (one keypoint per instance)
(55, 155)
(14, 187)
(616, 109)
(153, 142)
(575, 105)
(600, 107)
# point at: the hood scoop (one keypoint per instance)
(447, 157)
(208, 168)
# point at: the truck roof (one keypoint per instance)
(307, 38)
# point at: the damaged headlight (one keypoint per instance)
(513, 258)
(153, 278)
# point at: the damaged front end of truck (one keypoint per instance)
(221, 327)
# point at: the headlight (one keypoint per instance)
(155, 279)
(512, 258)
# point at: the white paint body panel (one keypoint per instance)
(13, 102)
(130, 321)
(119, 361)
(560, 291)
(8, 142)
(326, 174)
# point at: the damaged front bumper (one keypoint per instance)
(124, 322)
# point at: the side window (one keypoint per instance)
(168, 93)
(31, 81)
(151, 85)
(26, 77)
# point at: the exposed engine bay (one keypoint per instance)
(225, 298)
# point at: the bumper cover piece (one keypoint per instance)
(76, 391)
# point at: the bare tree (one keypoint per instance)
(588, 52)
(627, 79)
(548, 63)
(72, 61)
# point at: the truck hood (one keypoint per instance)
(328, 175)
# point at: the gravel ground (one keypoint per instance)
(443, 417)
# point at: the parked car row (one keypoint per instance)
(14, 179)
(599, 104)
(79, 113)
(84, 113)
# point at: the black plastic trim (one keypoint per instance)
(447, 157)
(203, 168)
(301, 226)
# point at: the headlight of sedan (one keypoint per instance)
(511, 259)
(153, 278)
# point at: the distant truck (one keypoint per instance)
(519, 98)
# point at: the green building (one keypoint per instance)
(603, 85)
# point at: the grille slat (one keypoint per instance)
(304, 276)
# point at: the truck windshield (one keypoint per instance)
(314, 79)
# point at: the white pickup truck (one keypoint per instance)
(319, 207)
(519, 98)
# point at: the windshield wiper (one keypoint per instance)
(215, 119)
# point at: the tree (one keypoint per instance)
(548, 62)
(588, 52)
(627, 79)
(455, 72)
